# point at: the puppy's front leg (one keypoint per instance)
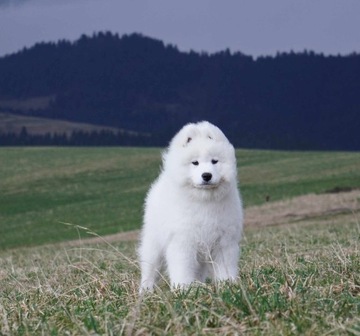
(181, 264)
(225, 263)
(150, 262)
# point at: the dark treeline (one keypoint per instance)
(290, 101)
(76, 138)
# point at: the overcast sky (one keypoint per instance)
(253, 27)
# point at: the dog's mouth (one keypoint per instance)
(206, 185)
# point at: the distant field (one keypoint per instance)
(103, 188)
(13, 123)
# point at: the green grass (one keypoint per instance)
(301, 279)
(282, 175)
(103, 188)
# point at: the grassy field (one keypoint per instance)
(103, 188)
(300, 277)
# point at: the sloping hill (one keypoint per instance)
(24, 130)
(14, 123)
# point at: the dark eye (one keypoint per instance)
(214, 161)
(195, 163)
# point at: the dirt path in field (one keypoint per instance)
(301, 208)
(113, 238)
(304, 208)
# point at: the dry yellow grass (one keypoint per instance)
(298, 279)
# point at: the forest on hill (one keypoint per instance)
(290, 101)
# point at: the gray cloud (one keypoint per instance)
(253, 27)
(5, 3)
(13, 3)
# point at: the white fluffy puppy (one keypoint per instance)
(193, 211)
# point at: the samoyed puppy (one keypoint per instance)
(193, 212)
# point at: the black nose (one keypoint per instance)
(206, 177)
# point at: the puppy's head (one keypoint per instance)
(201, 158)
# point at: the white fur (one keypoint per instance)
(190, 225)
